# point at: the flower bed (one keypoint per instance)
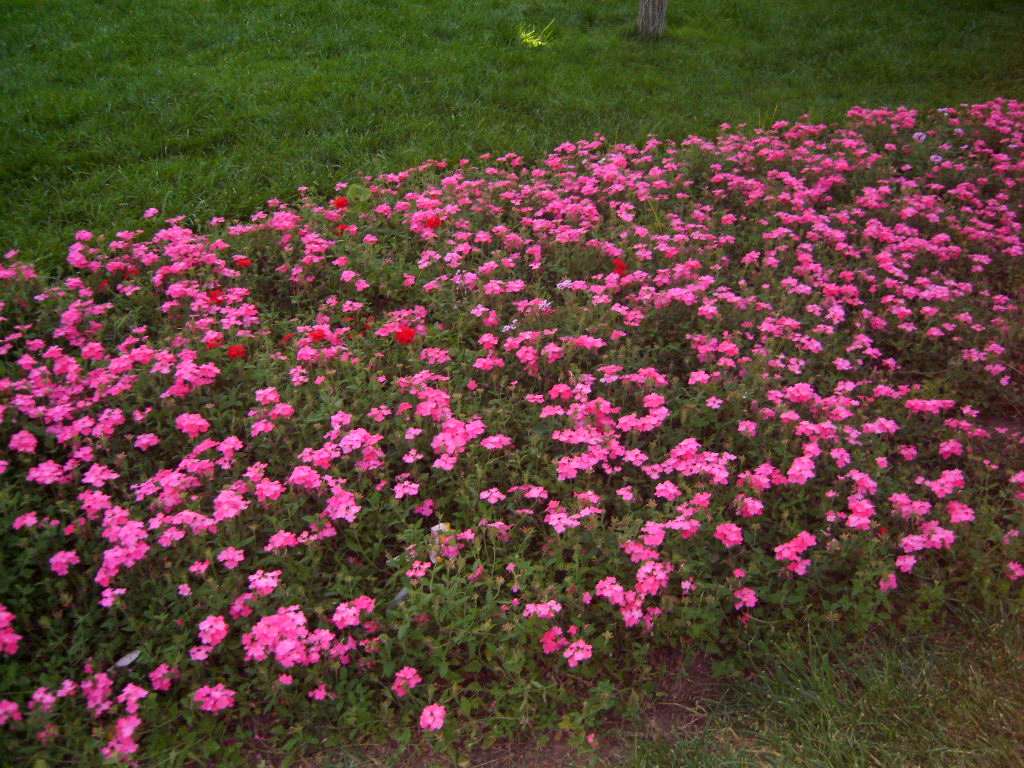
(453, 453)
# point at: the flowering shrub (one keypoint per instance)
(457, 450)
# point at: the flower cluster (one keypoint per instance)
(388, 457)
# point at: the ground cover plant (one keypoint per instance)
(471, 450)
(209, 108)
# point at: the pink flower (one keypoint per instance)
(553, 640)
(146, 441)
(62, 561)
(27, 520)
(305, 477)
(264, 583)
(960, 513)
(577, 652)
(745, 598)
(349, 614)
(231, 557)
(419, 569)
(192, 424)
(729, 534)
(42, 700)
(98, 475)
(122, 743)
(749, 506)
(228, 505)
(950, 448)
(23, 442)
(432, 717)
(110, 595)
(9, 639)
(98, 690)
(319, 693)
(546, 610)
(213, 630)
(47, 473)
(496, 442)
(267, 396)
(215, 698)
(492, 495)
(406, 679)
(668, 491)
(130, 696)
(906, 563)
(9, 712)
(162, 678)
(406, 488)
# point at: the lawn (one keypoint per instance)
(206, 108)
(939, 700)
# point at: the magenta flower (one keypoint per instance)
(192, 424)
(406, 679)
(9, 639)
(745, 598)
(492, 496)
(214, 698)
(577, 652)
(432, 717)
(213, 630)
(23, 441)
(230, 557)
(61, 562)
(730, 534)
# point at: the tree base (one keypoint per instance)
(651, 20)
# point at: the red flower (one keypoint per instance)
(287, 337)
(405, 335)
(243, 261)
(620, 266)
(317, 334)
(339, 203)
(433, 221)
(236, 351)
(216, 296)
(212, 344)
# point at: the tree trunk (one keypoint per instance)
(650, 22)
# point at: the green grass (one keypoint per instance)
(209, 107)
(935, 702)
(949, 698)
